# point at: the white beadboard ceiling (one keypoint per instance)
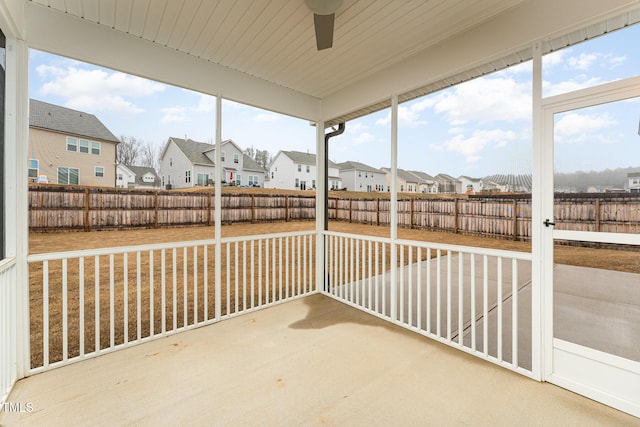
(273, 41)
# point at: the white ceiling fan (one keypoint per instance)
(324, 12)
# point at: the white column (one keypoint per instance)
(393, 206)
(321, 190)
(16, 189)
(218, 210)
(537, 207)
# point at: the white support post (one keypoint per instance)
(538, 332)
(393, 206)
(321, 191)
(16, 188)
(218, 211)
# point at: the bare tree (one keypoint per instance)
(262, 157)
(150, 156)
(128, 151)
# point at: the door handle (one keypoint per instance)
(547, 222)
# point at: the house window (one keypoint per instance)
(255, 180)
(401, 187)
(203, 179)
(359, 174)
(297, 182)
(187, 176)
(250, 180)
(170, 161)
(84, 146)
(271, 175)
(99, 172)
(34, 168)
(222, 156)
(238, 179)
(72, 144)
(308, 168)
(68, 175)
(95, 148)
(299, 168)
(119, 177)
(236, 158)
(366, 175)
(313, 183)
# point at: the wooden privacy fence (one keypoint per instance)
(53, 208)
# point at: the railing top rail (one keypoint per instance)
(357, 236)
(7, 263)
(526, 256)
(155, 246)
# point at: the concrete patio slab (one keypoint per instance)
(312, 361)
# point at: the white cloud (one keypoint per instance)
(485, 100)
(266, 117)
(408, 115)
(363, 138)
(207, 104)
(174, 115)
(472, 147)
(576, 128)
(579, 82)
(583, 61)
(95, 89)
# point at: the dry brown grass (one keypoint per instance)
(42, 243)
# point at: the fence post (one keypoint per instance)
(86, 209)
(155, 210)
(378, 213)
(455, 215)
(286, 208)
(350, 209)
(597, 207)
(253, 208)
(514, 213)
(411, 207)
(209, 196)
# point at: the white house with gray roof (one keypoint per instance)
(406, 182)
(69, 147)
(188, 163)
(358, 176)
(128, 176)
(426, 183)
(295, 170)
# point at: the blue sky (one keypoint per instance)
(477, 128)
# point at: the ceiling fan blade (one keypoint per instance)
(324, 30)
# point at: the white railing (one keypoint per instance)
(475, 299)
(89, 302)
(8, 327)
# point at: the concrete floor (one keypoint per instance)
(313, 361)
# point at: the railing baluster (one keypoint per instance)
(174, 274)
(125, 297)
(438, 295)
(377, 285)
(280, 269)
(45, 313)
(253, 276)
(485, 309)
(273, 270)
(419, 289)
(81, 305)
(112, 302)
(185, 293)
(473, 301)
(97, 302)
(400, 289)
(205, 281)
(138, 297)
(236, 278)
(499, 301)
(370, 278)
(287, 268)
(449, 256)
(151, 295)
(65, 311)
(228, 281)
(163, 283)
(244, 275)
(428, 314)
(460, 297)
(514, 312)
(259, 272)
(195, 285)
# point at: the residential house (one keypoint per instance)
(511, 183)
(295, 170)
(633, 182)
(69, 147)
(128, 176)
(187, 163)
(406, 182)
(426, 184)
(358, 176)
(448, 184)
(470, 185)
